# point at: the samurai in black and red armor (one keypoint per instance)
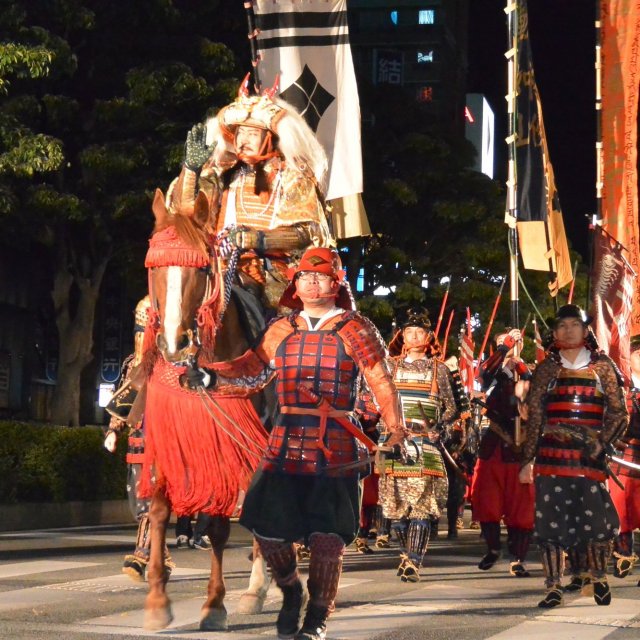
(307, 486)
(576, 408)
(627, 497)
(497, 493)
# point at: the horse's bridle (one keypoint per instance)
(209, 299)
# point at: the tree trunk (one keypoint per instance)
(75, 333)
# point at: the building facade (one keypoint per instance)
(419, 45)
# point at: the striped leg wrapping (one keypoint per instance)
(325, 567)
(552, 558)
(418, 540)
(281, 558)
(598, 555)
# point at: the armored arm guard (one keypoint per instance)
(490, 368)
(616, 417)
(251, 372)
(545, 372)
(367, 412)
(445, 390)
(364, 344)
(241, 377)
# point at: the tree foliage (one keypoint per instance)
(98, 99)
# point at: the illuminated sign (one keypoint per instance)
(387, 67)
(479, 130)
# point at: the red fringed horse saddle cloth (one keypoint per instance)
(200, 463)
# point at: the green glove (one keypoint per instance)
(196, 151)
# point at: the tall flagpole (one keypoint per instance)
(512, 54)
(599, 149)
(253, 45)
(512, 183)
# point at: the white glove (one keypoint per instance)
(110, 441)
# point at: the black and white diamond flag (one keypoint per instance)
(307, 43)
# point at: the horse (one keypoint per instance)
(201, 448)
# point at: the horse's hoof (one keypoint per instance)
(251, 603)
(156, 619)
(213, 619)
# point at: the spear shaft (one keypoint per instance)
(442, 308)
(487, 333)
(446, 335)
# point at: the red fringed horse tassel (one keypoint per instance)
(208, 319)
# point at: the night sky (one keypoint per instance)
(563, 41)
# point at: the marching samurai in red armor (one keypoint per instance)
(413, 496)
(576, 408)
(263, 172)
(306, 488)
(497, 492)
(627, 499)
(135, 564)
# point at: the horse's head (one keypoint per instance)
(184, 283)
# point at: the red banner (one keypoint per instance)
(613, 290)
(620, 76)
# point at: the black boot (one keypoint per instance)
(281, 558)
(294, 599)
(327, 550)
(314, 626)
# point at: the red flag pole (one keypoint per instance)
(490, 325)
(442, 308)
(446, 335)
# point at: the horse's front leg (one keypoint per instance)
(157, 607)
(214, 615)
(252, 600)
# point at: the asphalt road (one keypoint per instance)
(68, 583)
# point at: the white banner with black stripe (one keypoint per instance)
(307, 43)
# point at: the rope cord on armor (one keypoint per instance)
(228, 279)
(204, 396)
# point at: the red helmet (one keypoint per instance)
(318, 260)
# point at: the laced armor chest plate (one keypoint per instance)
(303, 441)
(244, 207)
(575, 411)
(416, 383)
(576, 397)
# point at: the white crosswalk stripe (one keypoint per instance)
(186, 614)
(581, 619)
(30, 567)
(578, 619)
(60, 592)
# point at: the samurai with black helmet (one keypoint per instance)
(576, 409)
(413, 498)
